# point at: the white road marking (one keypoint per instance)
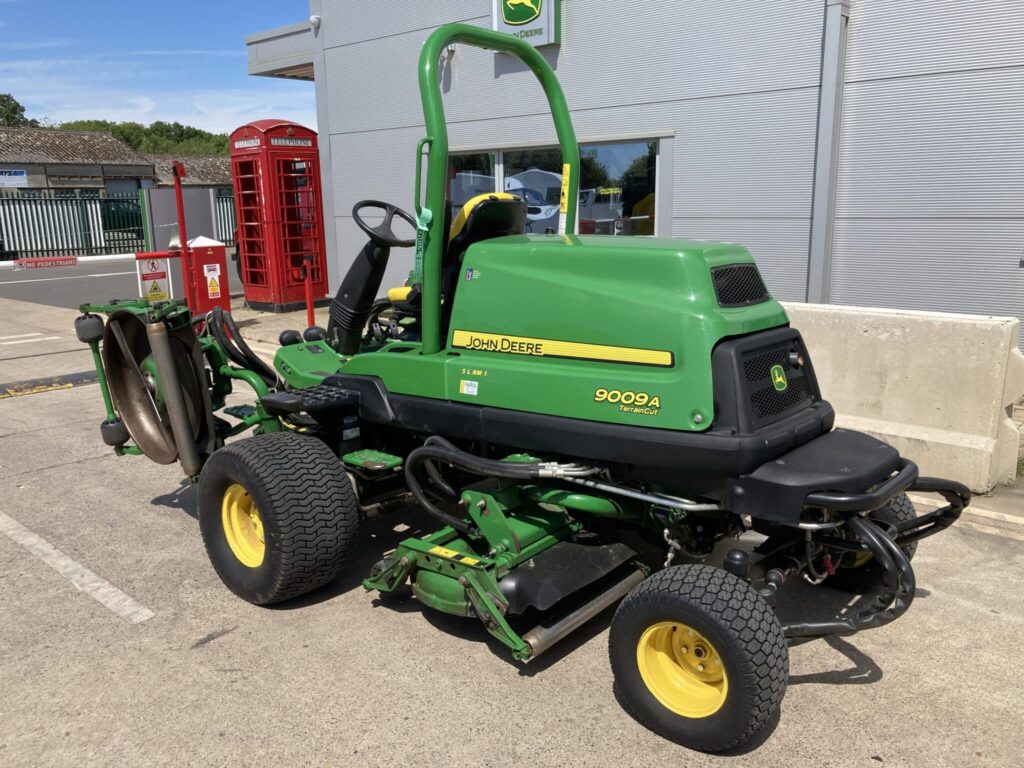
(95, 586)
(67, 277)
(19, 336)
(28, 341)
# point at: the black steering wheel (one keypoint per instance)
(382, 234)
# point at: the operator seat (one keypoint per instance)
(492, 214)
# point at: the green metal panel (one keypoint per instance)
(643, 297)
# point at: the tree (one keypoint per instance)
(12, 113)
(159, 138)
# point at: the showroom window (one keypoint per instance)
(618, 182)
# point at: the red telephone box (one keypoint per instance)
(275, 170)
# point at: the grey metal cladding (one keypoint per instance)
(897, 38)
(351, 21)
(966, 265)
(930, 193)
(293, 46)
(950, 144)
(703, 52)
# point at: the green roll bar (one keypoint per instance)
(430, 217)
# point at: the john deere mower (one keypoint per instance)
(591, 420)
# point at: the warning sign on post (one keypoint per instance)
(212, 273)
(154, 279)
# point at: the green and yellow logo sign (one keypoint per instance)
(517, 12)
(779, 380)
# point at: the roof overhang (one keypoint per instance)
(282, 52)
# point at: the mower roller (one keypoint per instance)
(591, 420)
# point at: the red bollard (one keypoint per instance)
(307, 270)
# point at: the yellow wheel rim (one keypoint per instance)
(682, 670)
(243, 526)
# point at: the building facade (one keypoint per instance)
(866, 152)
(50, 159)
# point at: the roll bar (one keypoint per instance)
(431, 215)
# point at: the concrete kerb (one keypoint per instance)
(940, 387)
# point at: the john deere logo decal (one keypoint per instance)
(779, 380)
(520, 11)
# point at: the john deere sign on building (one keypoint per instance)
(537, 22)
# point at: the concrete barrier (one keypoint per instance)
(939, 387)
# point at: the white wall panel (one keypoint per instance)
(930, 192)
(946, 145)
(897, 38)
(954, 265)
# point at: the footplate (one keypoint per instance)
(322, 397)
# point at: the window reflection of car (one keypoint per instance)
(540, 214)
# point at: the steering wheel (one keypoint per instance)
(382, 234)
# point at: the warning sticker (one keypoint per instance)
(154, 281)
(212, 273)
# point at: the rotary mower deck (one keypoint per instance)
(591, 420)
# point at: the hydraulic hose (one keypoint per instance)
(256, 363)
(436, 448)
(236, 349)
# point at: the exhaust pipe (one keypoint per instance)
(181, 429)
(542, 637)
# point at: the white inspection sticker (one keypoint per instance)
(467, 387)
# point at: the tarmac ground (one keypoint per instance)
(120, 646)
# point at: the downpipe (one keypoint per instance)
(160, 344)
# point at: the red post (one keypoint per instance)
(187, 270)
(308, 278)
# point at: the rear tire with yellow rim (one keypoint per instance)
(278, 516)
(699, 657)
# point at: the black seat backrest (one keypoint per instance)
(485, 216)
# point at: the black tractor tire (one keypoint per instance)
(722, 621)
(306, 512)
(864, 575)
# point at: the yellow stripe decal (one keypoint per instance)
(522, 345)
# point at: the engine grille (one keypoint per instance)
(738, 285)
(766, 401)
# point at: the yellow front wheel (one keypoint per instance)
(243, 526)
(682, 669)
(699, 657)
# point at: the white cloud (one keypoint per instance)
(95, 88)
(34, 45)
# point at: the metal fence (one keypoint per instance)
(224, 216)
(70, 223)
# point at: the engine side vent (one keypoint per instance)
(775, 386)
(738, 285)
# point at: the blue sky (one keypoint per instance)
(181, 60)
